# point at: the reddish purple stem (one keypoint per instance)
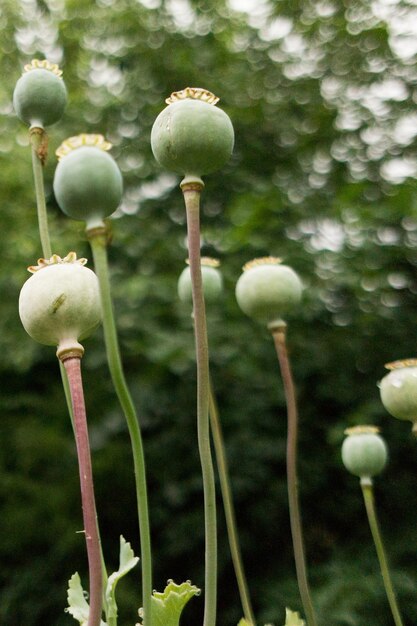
(73, 369)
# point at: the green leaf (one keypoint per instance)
(168, 605)
(77, 604)
(292, 618)
(127, 561)
(243, 622)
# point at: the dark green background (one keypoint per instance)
(322, 97)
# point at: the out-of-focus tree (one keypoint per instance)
(322, 96)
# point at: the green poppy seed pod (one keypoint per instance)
(88, 185)
(211, 277)
(191, 136)
(398, 390)
(364, 452)
(267, 290)
(60, 303)
(40, 96)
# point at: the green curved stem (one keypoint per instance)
(192, 193)
(368, 497)
(229, 510)
(39, 141)
(279, 336)
(73, 369)
(98, 241)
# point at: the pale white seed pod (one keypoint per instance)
(267, 291)
(364, 452)
(211, 277)
(60, 303)
(399, 390)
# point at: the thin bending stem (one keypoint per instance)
(98, 241)
(192, 193)
(229, 510)
(38, 140)
(73, 369)
(279, 336)
(368, 497)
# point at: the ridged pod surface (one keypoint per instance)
(192, 136)
(60, 302)
(40, 95)
(364, 452)
(88, 184)
(268, 290)
(212, 281)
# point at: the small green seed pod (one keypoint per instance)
(60, 303)
(212, 281)
(40, 96)
(267, 290)
(191, 136)
(88, 185)
(398, 390)
(364, 452)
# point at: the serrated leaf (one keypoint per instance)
(127, 561)
(78, 606)
(168, 605)
(292, 618)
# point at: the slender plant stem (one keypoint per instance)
(39, 147)
(229, 510)
(279, 336)
(192, 191)
(39, 143)
(38, 140)
(98, 241)
(67, 392)
(73, 368)
(368, 497)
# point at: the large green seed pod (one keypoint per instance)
(40, 96)
(88, 185)
(211, 277)
(191, 136)
(364, 452)
(399, 390)
(267, 290)
(60, 303)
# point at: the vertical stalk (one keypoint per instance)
(229, 509)
(368, 497)
(98, 241)
(279, 336)
(73, 368)
(191, 191)
(39, 148)
(39, 142)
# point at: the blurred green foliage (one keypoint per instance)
(322, 96)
